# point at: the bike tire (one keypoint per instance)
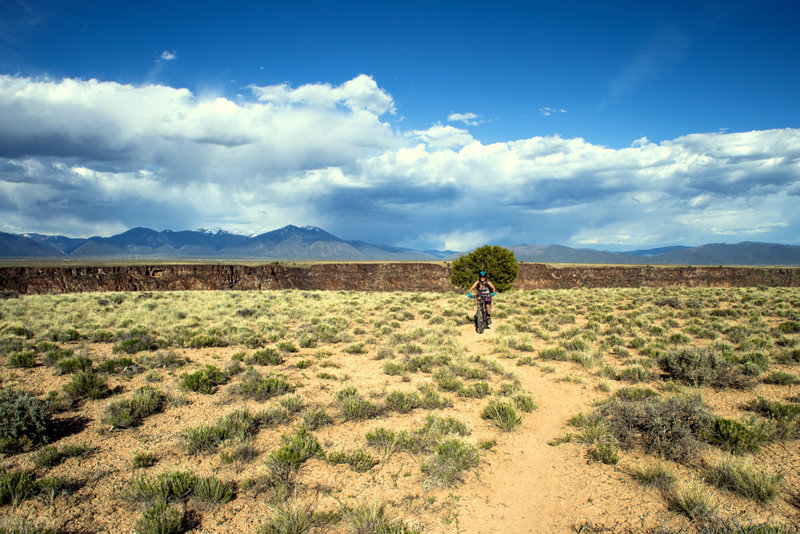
(480, 321)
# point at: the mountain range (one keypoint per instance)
(310, 243)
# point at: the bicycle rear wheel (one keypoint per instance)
(480, 320)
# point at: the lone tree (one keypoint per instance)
(499, 263)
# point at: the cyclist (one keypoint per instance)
(485, 290)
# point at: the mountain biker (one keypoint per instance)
(485, 290)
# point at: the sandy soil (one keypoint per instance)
(523, 485)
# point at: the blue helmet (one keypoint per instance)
(482, 274)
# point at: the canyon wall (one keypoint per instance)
(372, 277)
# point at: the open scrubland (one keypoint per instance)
(583, 410)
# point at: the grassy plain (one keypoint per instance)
(656, 410)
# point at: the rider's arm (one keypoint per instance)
(491, 284)
(473, 287)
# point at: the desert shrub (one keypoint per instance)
(287, 346)
(162, 360)
(201, 341)
(266, 356)
(143, 459)
(656, 475)
(694, 501)
(204, 380)
(633, 373)
(447, 381)
(635, 393)
(315, 418)
(165, 487)
(161, 518)
(476, 390)
(789, 327)
(22, 359)
(15, 486)
(451, 459)
(212, 490)
(431, 399)
(353, 406)
(292, 517)
(738, 437)
(86, 384)
(51, 455)
(498, 262)
(55, 354)
(254, 386)
(398, 401)
(524, 402)
(554, 353)
(238, 425)
(375, 518)
(361, 461)
(784, 417)
(135, 341)
(781, 378)
(604, 452)
(743, 477)
(26, 419)
(73, 365)
(671, 428)
(131, 412)
(297, 448)
(356, 348)
(699, 367)
(118, 365)
(394, 368)
(503, 414)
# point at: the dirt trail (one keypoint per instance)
(527, 485)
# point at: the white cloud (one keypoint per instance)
(470, 119)
(84, 156)
(166, 55)
(439, 137)
(548, 111)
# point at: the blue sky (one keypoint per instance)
(611, 125)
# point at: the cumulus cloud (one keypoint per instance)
(85, 157)
(166, 55)
(470, 119)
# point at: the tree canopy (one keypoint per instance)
(499, 263)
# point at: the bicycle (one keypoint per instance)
(481, 315)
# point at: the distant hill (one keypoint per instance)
(747, 253)
(310, 243)
(288, 243)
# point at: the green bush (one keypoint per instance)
(22, 359)
(86, 384)
(135, 341)
(604, 452)
(204, 380)
(398, 401)
(499, 263)
(672, 428)
(737, 437)
(161, 518)
(361, 461)
(744, 478)
(448, 464)
(254, 386)
(68, 366)
(131, 412)
(502, 414)
(15, 487)
(202, 341)
(353, 407)
(265, 357)
(699, 367)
